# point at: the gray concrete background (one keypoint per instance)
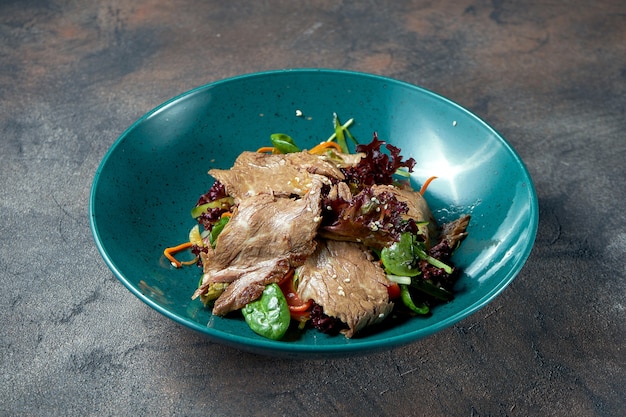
(550, 76)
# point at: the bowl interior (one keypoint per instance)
(152, 176)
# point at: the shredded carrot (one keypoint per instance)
(325, 145)
(169, 253)
(426, 184)
(266, 149)
(226, 214)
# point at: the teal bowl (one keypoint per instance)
(152, 175)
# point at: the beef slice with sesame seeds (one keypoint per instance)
(418, 209)
(265, 237)
(455, 231)
(282, 175)
(347, 283)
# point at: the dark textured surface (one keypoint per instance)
(550, 76)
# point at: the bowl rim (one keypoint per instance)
(352, 346)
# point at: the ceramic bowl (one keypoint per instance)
(153, 174)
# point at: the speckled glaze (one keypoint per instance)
(151, 177)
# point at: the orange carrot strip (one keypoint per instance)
(169, 253)
(325, 145)
(426, 184)
(226, 214)
(266, 149)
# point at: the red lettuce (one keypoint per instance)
(209, 217)
(376, 167)
(373, 219)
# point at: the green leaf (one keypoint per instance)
(217, 229)
(339, 129)
(269, 315)
(340, 133)
(223, 202)
(430, 289)
(284, 143)
(419, 250)
(407, 300)
(399, 258)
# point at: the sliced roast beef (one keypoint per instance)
(455, 231)
(249, 283)
(340, 190)
(283, 175)
(418, 209)
(343, 160)
(265, 237)
(343, 279)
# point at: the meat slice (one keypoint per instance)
(248, 283)
(340, 190)
(265, 237)
(282, 175)
(343, 160)
(455, 231)
(343, 279)
(418, 209)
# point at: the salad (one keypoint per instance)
(323, 238)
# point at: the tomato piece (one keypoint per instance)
(394, 291)
(298, 308)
